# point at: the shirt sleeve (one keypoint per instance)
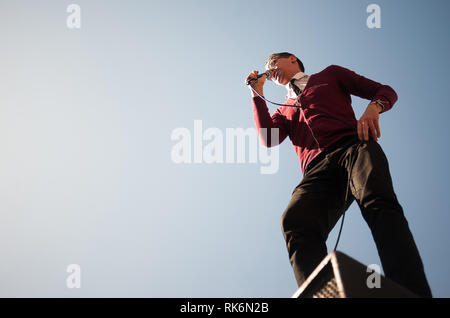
(363, 87)
(266, 123)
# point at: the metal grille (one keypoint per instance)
(329, 290)
(340, 276)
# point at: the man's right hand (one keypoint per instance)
(256, 84)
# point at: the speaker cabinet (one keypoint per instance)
(340, 276)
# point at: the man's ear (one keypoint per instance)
(293, 59)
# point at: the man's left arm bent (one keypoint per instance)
(382, 98)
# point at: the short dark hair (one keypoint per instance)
(273, 57)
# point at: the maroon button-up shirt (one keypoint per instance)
(310, 128)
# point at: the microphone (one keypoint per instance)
(267, 73)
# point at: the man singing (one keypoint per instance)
(341, 161)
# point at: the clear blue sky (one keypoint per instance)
(86, 116)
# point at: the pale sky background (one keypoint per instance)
(86, 116)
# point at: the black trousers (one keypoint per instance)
(319, 200)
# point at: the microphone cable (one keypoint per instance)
(312, 133)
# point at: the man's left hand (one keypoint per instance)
(368, 123)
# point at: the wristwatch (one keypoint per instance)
(378, 102)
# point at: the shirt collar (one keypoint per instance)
(291, 93)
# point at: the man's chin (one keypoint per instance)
(278, 82)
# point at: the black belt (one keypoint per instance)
(331, 148)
